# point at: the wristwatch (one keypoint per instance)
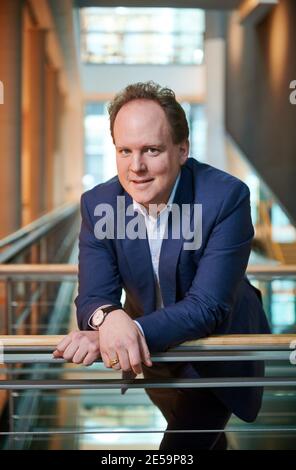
(100, 314)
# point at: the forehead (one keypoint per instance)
(141, 119)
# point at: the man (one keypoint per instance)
(173, 294)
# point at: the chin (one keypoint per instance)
(142, 198)
(141, 201)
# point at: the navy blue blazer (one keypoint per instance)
(205, 291)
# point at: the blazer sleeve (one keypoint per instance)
(221, 269)
(98, 274)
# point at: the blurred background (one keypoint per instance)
(232, 64)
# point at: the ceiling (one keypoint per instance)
(206, 4)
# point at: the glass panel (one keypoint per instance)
(133, 35)
(275, 232)
(279, 300)
(197, 123)
(282, 229)
(283, 307)
(105, 419)
(100, 163)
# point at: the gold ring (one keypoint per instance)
(113, 362)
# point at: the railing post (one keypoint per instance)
(8, 306)
(8, 327)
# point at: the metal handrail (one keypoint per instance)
(25, 237)
(275, 347)
(281, 341)
(263, 347)
(48, 218)
(190, 356)
(102, 384)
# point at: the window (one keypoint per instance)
(142, 35)
(100, 164)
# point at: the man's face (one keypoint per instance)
(148, 161)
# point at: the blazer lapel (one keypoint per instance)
(171, 248)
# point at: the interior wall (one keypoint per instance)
(103, 81)
(260, 66)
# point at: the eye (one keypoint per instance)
(124, 152)
(152, 151)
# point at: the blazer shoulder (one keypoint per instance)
(208, 179)
(103, 193)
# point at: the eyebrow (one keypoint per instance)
(142, 147)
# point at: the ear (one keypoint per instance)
(183, 151)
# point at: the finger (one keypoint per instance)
(106, 360)
(108, 356)
(89, 359)
(135, 358)
(112, 354)
(70, 351)
(62, 345)
(57, 354)
(124, 359)
(145, 352)
(80, 354)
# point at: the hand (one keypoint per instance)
(121, 338)
(80, 347)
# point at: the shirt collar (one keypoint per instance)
(142, 209)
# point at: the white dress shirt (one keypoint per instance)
(155, 227)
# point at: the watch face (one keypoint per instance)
(98, 318)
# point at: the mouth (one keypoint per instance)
(141, 183)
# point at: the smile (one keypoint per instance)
(141, 183)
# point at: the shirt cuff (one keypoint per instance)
(140, 328)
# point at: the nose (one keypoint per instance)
(137, 164)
